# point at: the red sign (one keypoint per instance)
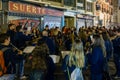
(25, 8)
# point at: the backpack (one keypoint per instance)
(2, 64)
(3, 68)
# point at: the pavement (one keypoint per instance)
(59, 75)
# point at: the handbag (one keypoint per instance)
(76, 74)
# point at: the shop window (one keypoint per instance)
(80, 1)
(69, 3)
(98, 7)
(89, 6)
(60, 1)
(81, 4)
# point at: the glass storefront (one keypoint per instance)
(52, 21)
(80, 23)
(89, 22)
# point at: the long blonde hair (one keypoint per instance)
(77, 55)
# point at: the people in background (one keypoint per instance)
(74, 59)
(11, 32)
(116, 53)
(96, 58)
(10, 56)
(42, 62)
(21, 38)
(50, 43)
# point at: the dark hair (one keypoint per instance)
(9, 25)
(96, 35)
(40, 41)
(18, 28)
(46, 26)
(3, 36)
(77, 40)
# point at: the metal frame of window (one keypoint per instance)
(81, 2)
(59, 1)
(71, 3)
(89, 7)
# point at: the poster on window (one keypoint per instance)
(52, 22)
(89, 23)
(24, 21)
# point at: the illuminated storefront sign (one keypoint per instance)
(25, 8)
(69, 14)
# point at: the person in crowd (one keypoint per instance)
(21, 38)
(11, 32)
(96, 58)
(108, 45)
(35, 32)
(116, 53)
(74, 59)
(57, 40)
(82, 35)
(10, 56)
(41, 62)
(47, 29)
(20, 43)
(50, 43)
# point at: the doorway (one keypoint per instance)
(69, 21)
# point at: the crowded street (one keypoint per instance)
(59, 39)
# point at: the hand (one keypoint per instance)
(30, 57)
(87, 52)
(20, 52)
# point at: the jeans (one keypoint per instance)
(20, 68)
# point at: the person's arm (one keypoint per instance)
(65, 63)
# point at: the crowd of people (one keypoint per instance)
(93, 46)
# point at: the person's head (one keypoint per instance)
(5, 38)
(46, 27)
(77, 40)
(11, 26)
(105, 36)
(18, 28)
(44, 33)
(96, 40)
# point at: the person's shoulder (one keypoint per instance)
(5, 49)
(2, 46)
(97, 48)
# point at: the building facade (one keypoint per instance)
(71, 13)
(118, 13)
(77, 13)
(103, 12)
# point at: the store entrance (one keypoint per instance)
(69, 21)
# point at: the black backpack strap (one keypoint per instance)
(4, 49)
